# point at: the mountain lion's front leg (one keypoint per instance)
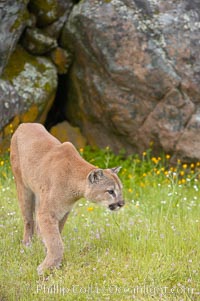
(49, 230)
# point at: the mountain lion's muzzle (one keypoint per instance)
(116, 206)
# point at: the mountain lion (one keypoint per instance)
(50, 177)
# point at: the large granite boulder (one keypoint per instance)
(135, 77)
(14, 17)
(27, 89)
(34, 79)
(11, 103)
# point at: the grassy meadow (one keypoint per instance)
(149, 250)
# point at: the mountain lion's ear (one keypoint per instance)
(95, 176)
(116, 169)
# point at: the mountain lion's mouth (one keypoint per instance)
(116, 206)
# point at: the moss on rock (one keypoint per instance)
(45, 10)
(35, 78)
(35, 41)
(22, 18)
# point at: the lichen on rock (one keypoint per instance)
(37, 42)
(35, 78)
(33, 82)
(48, 11)
(45, 10)
(62, 59)
(14, 16)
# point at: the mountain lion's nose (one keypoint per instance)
(113, 206)
(121, 203)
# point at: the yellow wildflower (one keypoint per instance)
(184, 166)
(154, 160)
(90, 209)
(167, 157)
(182, 173)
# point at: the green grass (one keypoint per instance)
(149, 250)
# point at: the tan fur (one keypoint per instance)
(50, 177)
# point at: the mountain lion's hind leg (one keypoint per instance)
(63, 221)
(27, 206)
(25, 195)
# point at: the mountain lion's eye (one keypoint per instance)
(111, 191)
